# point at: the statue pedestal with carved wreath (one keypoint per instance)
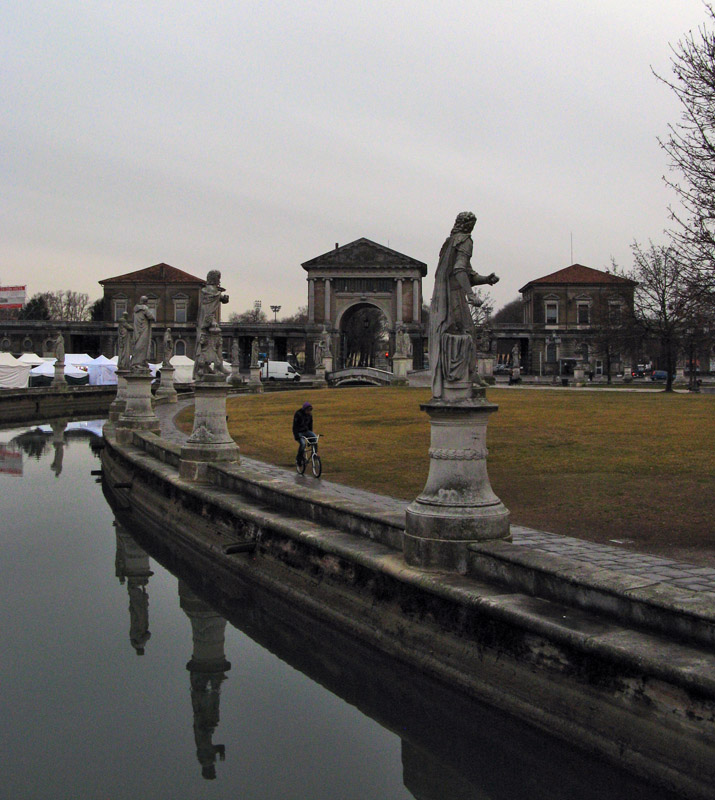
(210, 441)
(166, 387)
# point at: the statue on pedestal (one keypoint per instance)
(209, 360)
(168, 348)
(208, 332)
(452, 340)
(318, 353)
(235, 356)
(58, 347)
(254, 353)
(124, 342)
(141, 341)
(212, 296)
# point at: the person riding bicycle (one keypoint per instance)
(303, 428)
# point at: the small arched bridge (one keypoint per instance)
(362, 375)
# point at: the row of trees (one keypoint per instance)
(63, 305)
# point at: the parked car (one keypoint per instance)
(502, 369)
(660, 375)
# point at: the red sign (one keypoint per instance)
(12, 296)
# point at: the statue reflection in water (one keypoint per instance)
(208, 667)
(132, 564)
(58, 442)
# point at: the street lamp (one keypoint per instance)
(275, 310)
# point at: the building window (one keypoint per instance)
(180, 347)
(153, 302)
(551, 312)
(583, 313)
(152, 348)
(27, 346)
(120, 306)
(614, 312)
(181, 306)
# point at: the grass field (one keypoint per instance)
(631, 466)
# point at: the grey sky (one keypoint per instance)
(252, 136)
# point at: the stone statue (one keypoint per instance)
(318, 353)
(327, 344)
(168, 348)
(403, 345)
(212, 295)
(452, 345)
(209, 360)
(515, 355)
(235, 356)
(58, 345)
(141, 341)
(124, 342)
(254, 353)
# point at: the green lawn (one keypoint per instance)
(601, 466)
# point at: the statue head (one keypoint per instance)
(143, 300)
(214, 277)
(465, 222)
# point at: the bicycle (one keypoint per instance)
(310, 454)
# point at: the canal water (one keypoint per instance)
(122, 680)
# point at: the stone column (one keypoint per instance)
(120, 399)
(210, 441)
(415, 300)
(58, 381)
(398, 296)
(327, 300)
(138, 414)
(166, 387)
(311, 299)
(457, 505)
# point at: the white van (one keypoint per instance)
(278, 371)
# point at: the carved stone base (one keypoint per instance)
(120, 399)
(138, 414)
(166, 387)
(58, 381)
(210, 440)
(320, 373)
(399, 367)
(235, 378)
(457, 505)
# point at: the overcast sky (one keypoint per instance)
(251, 136)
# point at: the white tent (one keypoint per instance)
(48, 368)
(103, 371)
(31, 358)
(13, 373)
(184, 369)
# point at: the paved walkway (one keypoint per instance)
(663, 570)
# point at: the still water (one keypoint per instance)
(120, 680)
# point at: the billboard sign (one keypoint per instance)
(12, 296)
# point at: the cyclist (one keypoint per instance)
(303, 427)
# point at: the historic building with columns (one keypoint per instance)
(356, 277)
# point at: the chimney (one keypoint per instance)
(336, 245)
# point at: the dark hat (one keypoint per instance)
(307, 405)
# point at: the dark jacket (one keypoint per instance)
(302, 422)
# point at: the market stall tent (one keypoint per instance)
(14, 374)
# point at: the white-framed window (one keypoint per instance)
(121, 304)
(583, 312)
(181, 308)
(599, 367)
(551, 312)
(180, 347)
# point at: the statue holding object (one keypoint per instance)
(452, 339)
(208, 360)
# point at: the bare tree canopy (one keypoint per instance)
(62, 306)
(690, 146)
(254, 314)
(300, 316)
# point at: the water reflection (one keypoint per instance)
(131, 564)
(452, 746)
(208, 667)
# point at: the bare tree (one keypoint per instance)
(254, 314)
(300, 316)
(690, 146)
(663, 300)
(68, 305)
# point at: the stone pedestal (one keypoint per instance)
(210, 440)
(58, 381)
(485, 367)
(254, 383)
(399, 368)
(235, 378)
(579, 375)
(328, 363)
(457, 505)
(138, 414)
(166, 387)
(120, 400)
(320, 373)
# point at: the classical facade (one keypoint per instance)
(567, 314)
(358, 276)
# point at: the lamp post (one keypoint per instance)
(275, 310)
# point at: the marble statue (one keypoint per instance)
(254, 353)
(327, 344)
(58, 345)
(209, 360)
(235, 356)
(141, 341)
(318, 353)
(124, 342)
(211, 298)
(452, 333)
(168, 348)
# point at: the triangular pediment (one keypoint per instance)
(159, 273)
(364, 253)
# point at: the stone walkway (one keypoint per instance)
(662, 570)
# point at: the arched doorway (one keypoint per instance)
(364, 337)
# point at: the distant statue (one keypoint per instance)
(235, 356)
(141, 341)
(452, 345)
(515, 355)
(327, 344)
(168, 348)
(58, 347)
(124, 342)
(254, 353)
(209, 359)
(211, 298)
(318, 353)
(403, 346)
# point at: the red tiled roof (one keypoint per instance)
(577, 273)
(159, 273)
